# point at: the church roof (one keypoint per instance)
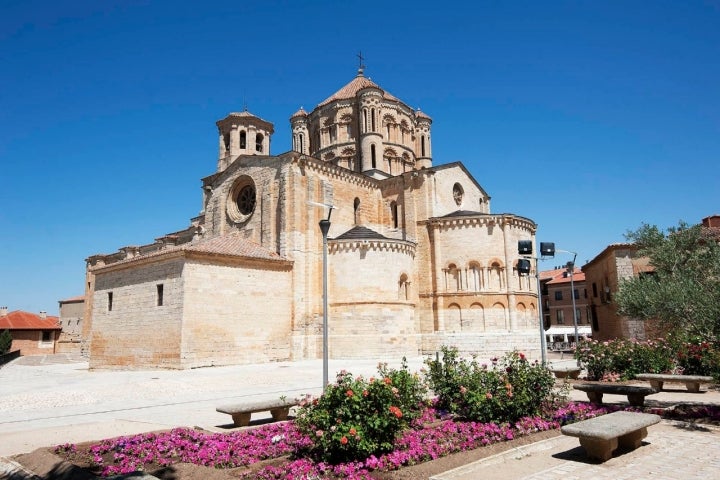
(229, 245)
(19, 320)
(360, 233)
(462, 213)
(300, 113)
(351, 89)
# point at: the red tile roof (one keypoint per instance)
(351, 89)
(19, 320)
(578, 276)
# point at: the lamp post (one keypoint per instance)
(325, 228)
(570, 267)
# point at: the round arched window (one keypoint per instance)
(246, 199)
(458, 193)
(242, 199)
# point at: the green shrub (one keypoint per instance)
(5, 341)
(355, 418)
(505, 391)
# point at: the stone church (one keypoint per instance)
(416, 260)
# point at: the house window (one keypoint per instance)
(160, 292)
(46, 336)
(110, 295)
(560, 317)
(577, 294)
(595, 290)
(578, 314)
(558, 295)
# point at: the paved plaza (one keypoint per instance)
(48, 400)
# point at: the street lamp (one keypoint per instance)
(325, 228)
(570, 267)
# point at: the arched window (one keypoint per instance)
(302, 141)
(394, 213)
(226, 141)
(387, 128)
(403, 287)
(372, 156)
(475, 277)
(422, 146)
(259, 142)
(365, 120)
(372, 118)
(243, 139)
(453, 279)
(356, 207)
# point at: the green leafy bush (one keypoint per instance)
(355, 418)
(5, 341)
(505, 391)
(623, 359)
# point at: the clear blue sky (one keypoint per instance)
(589, 117)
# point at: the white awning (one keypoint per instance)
(582, 330)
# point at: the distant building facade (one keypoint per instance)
(72, 311)
(558, 290)
(32, 334)
(416, 258)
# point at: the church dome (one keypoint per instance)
(351, 90)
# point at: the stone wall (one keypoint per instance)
(236, 314)
(132, 330)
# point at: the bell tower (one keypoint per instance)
(242, 134)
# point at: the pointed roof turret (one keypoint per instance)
(299, 113)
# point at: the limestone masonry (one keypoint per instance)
(415, 258)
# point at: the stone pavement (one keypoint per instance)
(49, 400)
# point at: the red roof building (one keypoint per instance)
(32, 334)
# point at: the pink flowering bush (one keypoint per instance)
(355, 418)
(507, 390)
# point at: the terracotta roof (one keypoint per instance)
(351, 89)
(19, 320)
(420, 114)
(578, 276)
(231, 244)
(300, 113)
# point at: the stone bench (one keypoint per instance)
(600, 436)
(566, 372)
(279, 409)
(692, 382)
(636, 395)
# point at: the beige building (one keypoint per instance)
(416, 259)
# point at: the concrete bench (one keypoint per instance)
(636, 395)
(241, 412)
(692, 382)
(566, 372)
(600, 436)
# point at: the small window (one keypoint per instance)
(160, 292)
(578, 315)
(558, 294)
(356, 207)
(243, 139)
(110, 301)
(394, 213)
(259, 142)
(560, 317)
(594, 286)
(458, 194)
(577, 294)
(47, 336)
(372, 156)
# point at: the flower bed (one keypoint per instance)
(431, 437)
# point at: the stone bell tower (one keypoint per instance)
(242, 134)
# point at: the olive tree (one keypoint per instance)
(683, 292)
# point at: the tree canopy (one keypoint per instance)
(683, 292)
